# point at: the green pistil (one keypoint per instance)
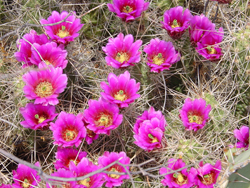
(151, 136)
(175, 175)
(209, 48)
(63, 28)
(44, 88)
(159, 55)
(175, 23)
(206, 176)
(121, 92)
(37, 116)
(118, 54)
(127, 8)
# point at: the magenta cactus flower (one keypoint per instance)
(209, 45)
(64, 32)
(207, 174)
(90, 136)
(65, 155)
(102, 116)
(176, 21)
(128, 10)
(161, 55)
(194, 114)
(86, 167)
(44, 85)
(122, 51)
(68, 130)
(63, 173)
(24, 46)
(180, 179)
(148, 115)
(121, 89)
(243, 136)
(200, 26)
(37, 116)
(6, 186)
(25, 177)
(50, 54)
(108, 158)
(149, 135)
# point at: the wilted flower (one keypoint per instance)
(102, 116)
(180, 179)
(176, 21)
(209, 45)
(128, 10)
(44, 85)
(65, 155)
(24, 46)
(64, 32)
(25, 177)
(122, 52)
(63, 173)
(149, 135)
(108, 158)
(200, 26)
(148, 115)
(223, 1)
(90, 136)
(161, 55)
(243, 136)
(121, 89)
(194, 114)
(37, 116)
(86, 167)
(68, 130)
(207, 174)
(48, 54)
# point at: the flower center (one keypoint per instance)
(115, 176)
(158, 59)
(69, 134)
(85, 182)
(153, 139)
(180, 179)
(207, 179)
(192, 118)
(175, 24)
(127, 9)
(211, 50)
(26, 183)
(90, 133)
(47, 62)
(104, 120)
(40, 118)
(63, 32)
(121, 57)
(44, 89)
(120, 95)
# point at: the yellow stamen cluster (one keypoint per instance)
(120, 95)
(127, 9)
(180, 179)
(25, 183)
(63, 32)
(44, 89)
(158, 59)
(122, 57)
(207, 179)
(115, 176)
(85, 182)
(69, 134)
(175, 24)
(104, 120)
(195, 118)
